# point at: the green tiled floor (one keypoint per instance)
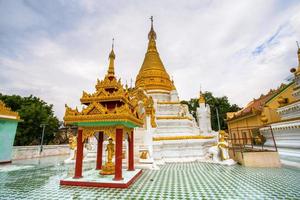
(174, 181)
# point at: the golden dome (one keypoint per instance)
(153, 75)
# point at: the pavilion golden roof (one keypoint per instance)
(109, 105)
(153, 75)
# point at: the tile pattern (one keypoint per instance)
(193, 180)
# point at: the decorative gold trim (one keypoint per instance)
(102, 118)
(182, 137)
(4, 110)
(158, 92)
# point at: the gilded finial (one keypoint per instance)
(112, 56)
(201, 98)
(151, 18)
(112, 53)
(152, 34)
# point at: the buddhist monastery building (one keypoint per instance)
(274, 116)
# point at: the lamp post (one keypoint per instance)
(42, 139)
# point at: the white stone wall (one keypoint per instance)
(287, 137)
(181, 149)
(290, 111)
(28, 152)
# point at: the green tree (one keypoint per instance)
(220, 103)
(33, 111)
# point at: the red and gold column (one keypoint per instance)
(99, 151)
(118, 155)
(130, 152)
(79, 155)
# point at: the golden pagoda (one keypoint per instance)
(153, 75)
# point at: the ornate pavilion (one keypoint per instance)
(110, 112)
(164, 128)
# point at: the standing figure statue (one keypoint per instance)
(109, 167)
(110, 148)
(220, 152)
(72, 146)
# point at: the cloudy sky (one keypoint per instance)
(55, 49)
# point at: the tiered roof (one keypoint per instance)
(109, 105)
(153, 75)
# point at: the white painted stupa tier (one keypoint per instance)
(173, 139)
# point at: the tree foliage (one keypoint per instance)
(220, 103)
(33, 111)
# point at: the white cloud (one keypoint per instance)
(209, 43)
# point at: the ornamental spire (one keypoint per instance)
(112, 56)
(152, 34)
(201, 98)
(152, 38)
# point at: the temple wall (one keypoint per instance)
(28, 152)
(7, 136)
(252, 120)
(288, 145)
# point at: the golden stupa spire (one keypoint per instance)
(153, 75)
(201, 97)
(152, 38)
(112, 56)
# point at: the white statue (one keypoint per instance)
(220, 153)
(73, 147)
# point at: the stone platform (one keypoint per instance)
(92, 178)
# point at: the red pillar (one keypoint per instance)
(79, 155)
(130, 152)
(99, 151)
(118, 155)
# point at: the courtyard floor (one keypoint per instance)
(39, 179)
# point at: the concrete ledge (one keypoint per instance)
(28, 152)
